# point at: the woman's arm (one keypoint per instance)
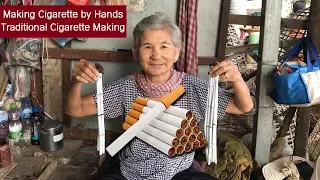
(241, 101)
(77, 105)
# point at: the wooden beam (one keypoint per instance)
(255, 21)
(286, 122)
(104, 55)
(223, 29)
(88, 134)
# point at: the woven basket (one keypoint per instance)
(314, 138)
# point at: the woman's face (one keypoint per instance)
(156, 53)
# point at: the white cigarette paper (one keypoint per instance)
(173, 110)
(165, 117)
(154, 142)
(165, 127)
(101, 136)
(129, 134)
(161, 135)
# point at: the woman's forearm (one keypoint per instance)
(242, 98)
(74, 101)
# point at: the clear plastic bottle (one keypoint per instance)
(4, 127)
(15, 126)
(36, 121)
(26, 111)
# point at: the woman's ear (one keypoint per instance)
(177, 54)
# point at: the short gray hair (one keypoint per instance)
(157, 21)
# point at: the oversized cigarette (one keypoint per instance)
(163, 136)
(193, 122)
(156, 143)
(188, 147)
(171, 119)
(188, 131)
(168, 128)
(135, 114)
(196, 129)
(200, 136)
(179, 149)
(203, 143)
(129, 134)
(170, 98)
(147, 104)
(165, 127)
(195, 145)
(192, 138)
(130, 120)
(183, 140)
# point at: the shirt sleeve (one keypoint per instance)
(224, 97)
(112, 99)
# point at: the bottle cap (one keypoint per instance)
(35, 109)
(13, 105)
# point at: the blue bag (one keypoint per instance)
(299, 87)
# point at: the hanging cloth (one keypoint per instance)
(188, 61)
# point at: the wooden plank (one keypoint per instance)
(223, 29)
(88, 134)
(3, 80)
(49, 170)
(104, 55)
(255, 21)
(286, 122)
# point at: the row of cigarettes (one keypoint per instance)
(172, 132)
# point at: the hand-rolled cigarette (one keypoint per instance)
(200, 136)
(203, 143)
(188, 131)
(193, 122)
(176, 111)
(163, 136)
(179, 149)
(192, 138)
(188, 147)
(196, 129)
(195, 145)
(184, 140)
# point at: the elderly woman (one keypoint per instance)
(157, 45)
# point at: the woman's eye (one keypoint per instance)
(163, 46)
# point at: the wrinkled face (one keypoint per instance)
(156, 52)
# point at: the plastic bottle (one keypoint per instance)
(35, 121)
(4, 127)
(26, 111)
(15, 126)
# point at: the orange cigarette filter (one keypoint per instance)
(173, 96)
(193, 122)
(134, 113)
(203, 143)
(142, 101)
(172, 152)
(200, 136)
(137, 107)
(126, 126)
(195, 145)
(130, 120)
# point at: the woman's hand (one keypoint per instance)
(85, 72)
(226, 71)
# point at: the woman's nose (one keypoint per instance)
(156, 53)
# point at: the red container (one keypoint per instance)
(5, 156)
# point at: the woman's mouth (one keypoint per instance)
(157, 65)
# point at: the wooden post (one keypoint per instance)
(269, 44)
(303, 122)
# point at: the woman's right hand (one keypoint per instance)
(84, 72)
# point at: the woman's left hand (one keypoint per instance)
(226, 71)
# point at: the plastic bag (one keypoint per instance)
(24, 52)
(20, 77)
